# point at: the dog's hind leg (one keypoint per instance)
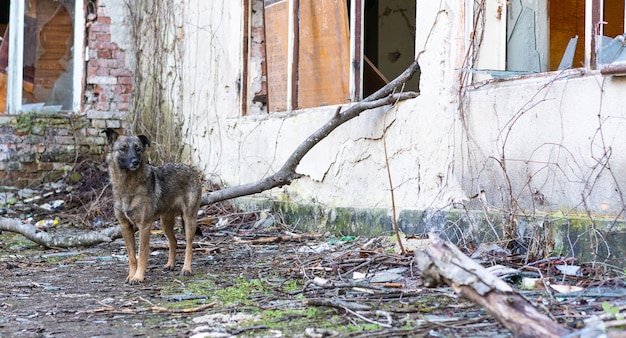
(190, 230)
(167, 223)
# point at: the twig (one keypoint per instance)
(370, 320)
(153, 308)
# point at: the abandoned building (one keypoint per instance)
(519, 120)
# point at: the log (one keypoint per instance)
(442, 261)
(50, 240)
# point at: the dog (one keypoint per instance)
(143, 193)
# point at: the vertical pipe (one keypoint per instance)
(245, 58)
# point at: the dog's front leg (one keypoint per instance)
(144, 252)
(128, 233)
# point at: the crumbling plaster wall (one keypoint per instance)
(349, 167)
(549, 143)
(560, 138)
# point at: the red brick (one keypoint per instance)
(120, 73)
(103, 98)
(127, 80)
(103, 45)
(104, 106)
(104, 19)
(122, 89)
(105, 54)
(100, 27)
(103, 37)
(119, 54)
(117, 63)
(123, 98)
(102, 71)
(123, 106)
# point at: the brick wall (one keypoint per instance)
(40, 148)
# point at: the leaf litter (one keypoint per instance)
(256, 276)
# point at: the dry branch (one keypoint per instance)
(287, 173)
(444, 262)
(58, 241)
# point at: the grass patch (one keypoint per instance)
(240, 292)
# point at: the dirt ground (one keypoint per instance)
(255, 276)
(81, 293)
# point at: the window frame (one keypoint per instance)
(492, 56)
(16, 60)
(356, 68)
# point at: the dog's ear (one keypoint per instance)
(112, 135)
(145, 140)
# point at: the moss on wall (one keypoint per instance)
(600, 239)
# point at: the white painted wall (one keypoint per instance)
(348, 168)
(561, 135)
(440, 152)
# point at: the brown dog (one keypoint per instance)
(143, 193)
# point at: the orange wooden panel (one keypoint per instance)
(323, 57)
(323, 73)
(567, 19)
(276, 26)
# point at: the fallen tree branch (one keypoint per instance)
(444, 262)
(287, 173)
(275, 239)
(58, 241)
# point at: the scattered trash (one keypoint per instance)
(316, 249)
(565, 288)
(340, 240)
(570, 270)
(46, 223)
(55, 205)
(503, 271)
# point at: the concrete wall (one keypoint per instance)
(443, 150)
(348, 168)
(558, 139)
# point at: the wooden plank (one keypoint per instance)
(322, 53)
(324, 74)
(276, 53)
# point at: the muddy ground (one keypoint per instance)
(81, 293)
(289, 288)
(255, 276)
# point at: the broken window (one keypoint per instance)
(37, 55)
(323, 52)
(543, 35)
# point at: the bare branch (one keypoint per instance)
(45, 239)
(287, 173)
